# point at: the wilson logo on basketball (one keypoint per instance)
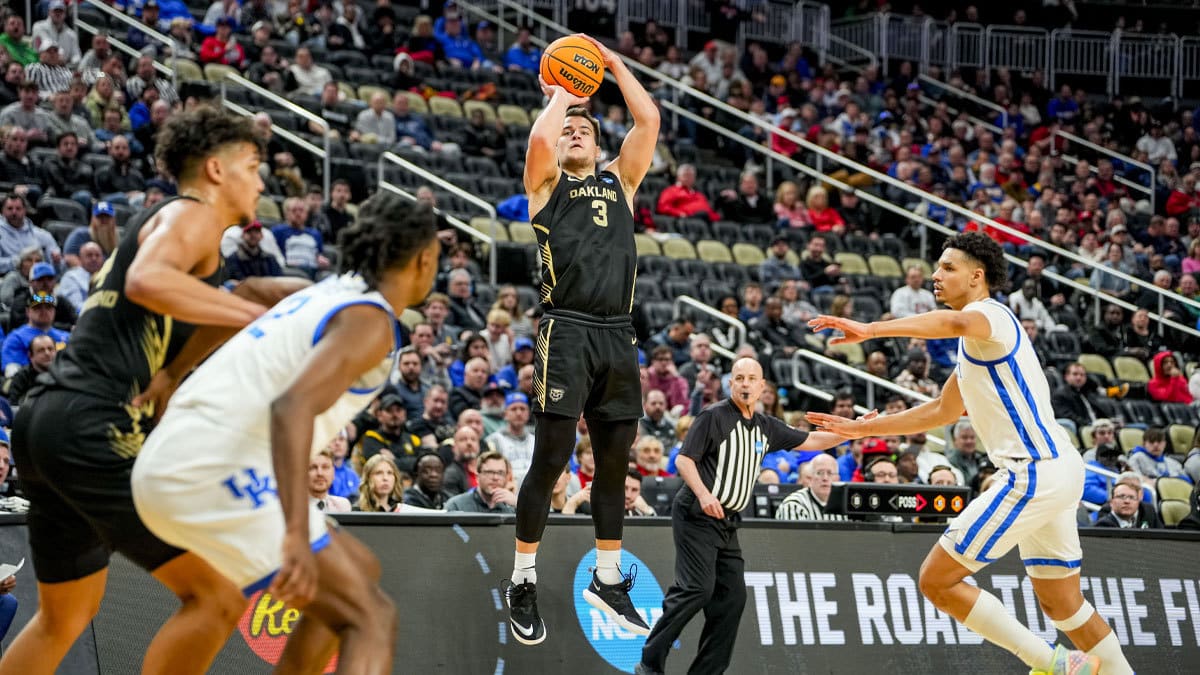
(578, 84)
(266, 625)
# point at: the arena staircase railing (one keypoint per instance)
(153, 34)
(489, 242)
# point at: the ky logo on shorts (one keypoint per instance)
(249, 485)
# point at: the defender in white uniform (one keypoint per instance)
(224, 474)
(1031, 504)
(204, 480)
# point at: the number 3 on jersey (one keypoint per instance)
(601, 217)
(289, 306)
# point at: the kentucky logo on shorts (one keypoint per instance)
(556, 394)
(251, 486)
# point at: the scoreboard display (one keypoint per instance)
(876, 499)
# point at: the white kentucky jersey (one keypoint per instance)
(1005, 391)
(235, 387)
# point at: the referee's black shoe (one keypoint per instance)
(613, 599)
(523, 618)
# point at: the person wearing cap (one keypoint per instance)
(54, 29)
(42, 280)
(390, 435)
(514, 440)
(492, 409)
(523, 54)
(251, 259)
(460, 49)
(485, 37)
(102, 229)
(221, 47)
(775, 268)
(13, 40)
(522, 355)
(49, 72)
(41, 308)
(229, 10)
(708, 60)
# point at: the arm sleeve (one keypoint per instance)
(697, 439)
(783, 437)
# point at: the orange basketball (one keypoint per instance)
(573, 64)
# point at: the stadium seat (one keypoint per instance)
(646, 246)
(1130, 438)
(417, 103)
(187, 70)
(440, 105)
(759, 235)
(512, 115)
(748, 254)
(268, 210)
(731, 273)
(1130, 369)
(648, 288)
(1094, 363)
(885, 266)
(1062, 347)
(859, 243)
(1173, 488)
(1181, 438)
(695, 271)
(484, 225)
(122, 213)
(713, 252)
(489, 113)
(61, 229)
(215, 72)
(366, 91)
(919, 262)
(1179, 413)
(678, 286)
(1143, 411)
(854, 353)
(694, 229)
(659, 314)
(1172, 512)
(890, 244)
(867, 308)
(522, 233)
(852, 264)
(655, 265)
(726, 231)
(1085, 436)
(711, 292)
(678, 248)
(410, 318)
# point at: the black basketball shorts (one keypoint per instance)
(586, 364)
(74, 453)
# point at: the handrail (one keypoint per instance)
(924, 98)
(963, 93)
(843, 43)
(122, 47)
(133, 23)
(454, 221)
(877, 176)
(449, 187)
(1115, 155)
(276, 129)
(738, 326)
(1072, 160)
(872, 198)
(290, 107)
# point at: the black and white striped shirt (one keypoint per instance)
(728, 450)
(803, 505)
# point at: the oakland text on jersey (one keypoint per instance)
(594, 191)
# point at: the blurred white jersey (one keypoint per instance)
(1005, 391)
(235, 387)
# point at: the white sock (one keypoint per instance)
(1112, 659)
(608, 566)
(523, 569)
(989, 618)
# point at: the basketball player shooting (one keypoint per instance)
(586, 354)
(1031, 505)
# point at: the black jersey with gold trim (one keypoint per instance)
(118, 345)
(585, 239)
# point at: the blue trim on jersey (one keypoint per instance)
(317, 547)
(1030, 489)
(1023, 387)
(319, 332)
(1051, 562)
(1012, 412)
(962, 346)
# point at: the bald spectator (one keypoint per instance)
(434, 425)
(683, 200)
(464, 313)
(376, 124)
(810, 503)
(461, 473)
(76, 282)
(700, 353)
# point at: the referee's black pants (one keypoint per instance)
(709, 577)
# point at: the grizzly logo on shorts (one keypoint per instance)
(556, 394)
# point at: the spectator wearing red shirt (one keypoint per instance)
(649, 453)
(1167, 385)
(221, 47)
(682, 200)
(1183, 197)
(780, 144)
(587, 465)
(1005, 217)
(820, 214)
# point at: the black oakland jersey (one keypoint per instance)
(585, 237)
(118, 345)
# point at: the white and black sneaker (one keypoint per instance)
(523, 618)
(613, 599)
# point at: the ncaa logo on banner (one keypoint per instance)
(620, 648)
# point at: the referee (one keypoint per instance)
(719, 464)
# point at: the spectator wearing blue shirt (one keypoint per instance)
(41, 308)
(302, 246)
(460, 50)
(411, 129)
(522, 355)
(1064, 108)
(987, 183)
(523, 55)
(345, 480)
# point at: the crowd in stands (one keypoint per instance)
(453, 431)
